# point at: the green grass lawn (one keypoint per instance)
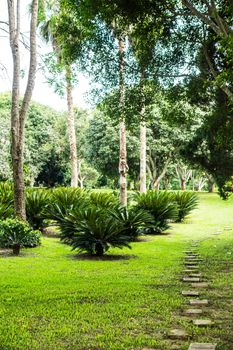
(52, 299)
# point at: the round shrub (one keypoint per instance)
(16, 234)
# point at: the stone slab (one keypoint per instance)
(191, 279)
(188, 271)
(190, 293)
(195, 274)
(193, 311)
(191, 263)
(203, 323)
(202, 346)
(200, 302)
(177, 334)
(200, 285)
(193, 260)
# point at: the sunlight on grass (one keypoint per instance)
(53, 299)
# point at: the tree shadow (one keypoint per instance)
(106, 257)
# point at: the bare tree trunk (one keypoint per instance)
(156, 182)
(142, 138)
(18, 115)
(183, 184)
(71, 128)
(123, 152)
(143, 157)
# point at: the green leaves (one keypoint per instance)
(187, 201)
(16, 234)
(161, 206)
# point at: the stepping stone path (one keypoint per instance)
(202, 346)
(193, 276)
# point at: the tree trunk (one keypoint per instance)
(123, 153)
(211, 186)
(142, 157)
(18, 115)
(71, 129)
(183, 184)
(142, 137)
(16, 249)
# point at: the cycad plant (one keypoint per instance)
(133, 220)
(161, 205)
(16, 234)
(6, 201)
(64, 201)
(37, 202)
(186, 201)
(103, 199)
(93, 230)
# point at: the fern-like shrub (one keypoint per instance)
(133, 220)
(65, 200)
(103, 199)
(161, 205)
(37, 202)
(186, 201)
(93, 230)
(6, 201)
(16, 234)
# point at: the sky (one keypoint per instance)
(42, 93)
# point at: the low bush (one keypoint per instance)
(37, 202)
(103, 199)
(64, 201)
(16, 234)
(6, 201)
(93, 230)
(186, 201)
(161, 205)
(133, 220)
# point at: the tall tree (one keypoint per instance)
(52, 29)
(19, 113)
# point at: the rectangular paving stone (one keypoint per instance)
(190, 293)
(202, 346)
(195, 275)
(203, 323)
(191, 263)
(193, 311)
(200, 285)
(193, 259)
(188, 271)
(177, 334)
(191, 279)
(200, 302)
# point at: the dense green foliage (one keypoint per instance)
(161, 205)
(16, 234)
(37, 202)
(187, 201)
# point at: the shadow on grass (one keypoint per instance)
(106, 257)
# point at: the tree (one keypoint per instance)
(19, 113)
(52, 29)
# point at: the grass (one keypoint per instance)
(52, 299)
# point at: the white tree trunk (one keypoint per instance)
(143, 157)
(71, 129)
(18, 115)
(122, 128)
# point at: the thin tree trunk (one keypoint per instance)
(142, 138)
(18, 115)
(183, 184)
(156, 182)
(71, 129)
(142, 157)
(123, 152)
